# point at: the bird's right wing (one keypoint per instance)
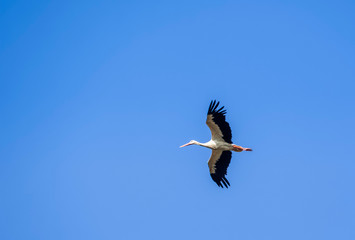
(218, 164)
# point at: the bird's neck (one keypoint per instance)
(207, 144)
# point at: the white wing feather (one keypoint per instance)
(216, 154)
(216, 132)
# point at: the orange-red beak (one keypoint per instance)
(187, 144)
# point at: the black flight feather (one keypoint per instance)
(219, 118)
(221, 169)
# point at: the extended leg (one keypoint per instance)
(240, 149)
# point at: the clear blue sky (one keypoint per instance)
(96, 97)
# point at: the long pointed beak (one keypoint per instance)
(187, 144)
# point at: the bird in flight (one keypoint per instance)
(221, 144)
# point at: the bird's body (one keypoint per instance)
(221, 144)
(216, 145)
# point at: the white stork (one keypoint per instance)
(221, 144)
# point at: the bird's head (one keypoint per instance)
(189, 143)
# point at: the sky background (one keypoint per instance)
(97, 96)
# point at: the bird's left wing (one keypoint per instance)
(218, 164)
(216, 121)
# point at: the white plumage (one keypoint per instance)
(220, 143)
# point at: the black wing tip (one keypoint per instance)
(213, 108)
(220, 180)
(219, 117)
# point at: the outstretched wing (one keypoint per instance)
(218, 164)
(216, 121)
